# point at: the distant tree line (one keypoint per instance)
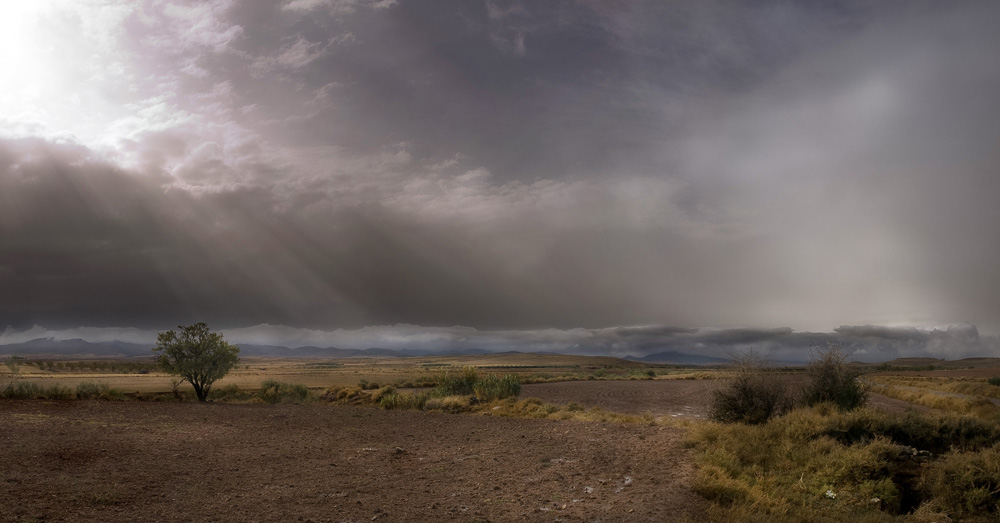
(102, 366)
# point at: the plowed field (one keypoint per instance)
(134, 461)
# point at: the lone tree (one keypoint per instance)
(196, 354)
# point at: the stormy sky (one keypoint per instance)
(519, 174)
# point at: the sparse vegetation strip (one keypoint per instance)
(948, 402)
(989, 388)
(820, 464)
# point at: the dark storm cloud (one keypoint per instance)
(529, 89)
(890, 333)
(524, 169)
(85, 240)
(782, 345)
(626, 332)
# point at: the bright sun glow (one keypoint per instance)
(29, 79)
(56, 56)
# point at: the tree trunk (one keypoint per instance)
(200, 391)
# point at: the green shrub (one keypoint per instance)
(344, 394)
(494, 387)
(231, 393)
(402, 401)
(995, 381)
(272, 391)
(751, 396)
(461, 384)
(833, 380)
(368, 385)
(377, 396)
(89, 390)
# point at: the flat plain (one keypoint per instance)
(79, 460)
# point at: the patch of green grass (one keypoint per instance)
(494, 387)
(456, 384)
(23, 390)
(89, 390)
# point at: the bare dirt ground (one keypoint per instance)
(673, 398)
(134, 461)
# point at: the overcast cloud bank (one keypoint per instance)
(522, 168)
(866, 343)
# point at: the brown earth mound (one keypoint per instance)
(133, 461)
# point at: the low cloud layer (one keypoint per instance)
(530, 170)
(866, 343)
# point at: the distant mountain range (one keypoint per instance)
(278, 351)
(679, 358)
(49, 347)
(77, 348)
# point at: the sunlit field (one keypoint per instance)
(142, 375)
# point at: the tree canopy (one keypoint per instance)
(196, 354)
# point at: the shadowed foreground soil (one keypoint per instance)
(132, 461)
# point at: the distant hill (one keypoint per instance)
(679, 358)
(460, 352)
(247, 349)
(76, 347)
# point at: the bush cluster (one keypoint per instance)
(755, 394)
(832, 379)
(494, 387)
(751, 395)
(457, 384)
(231, 393)
(23, 390)
(89, 390)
